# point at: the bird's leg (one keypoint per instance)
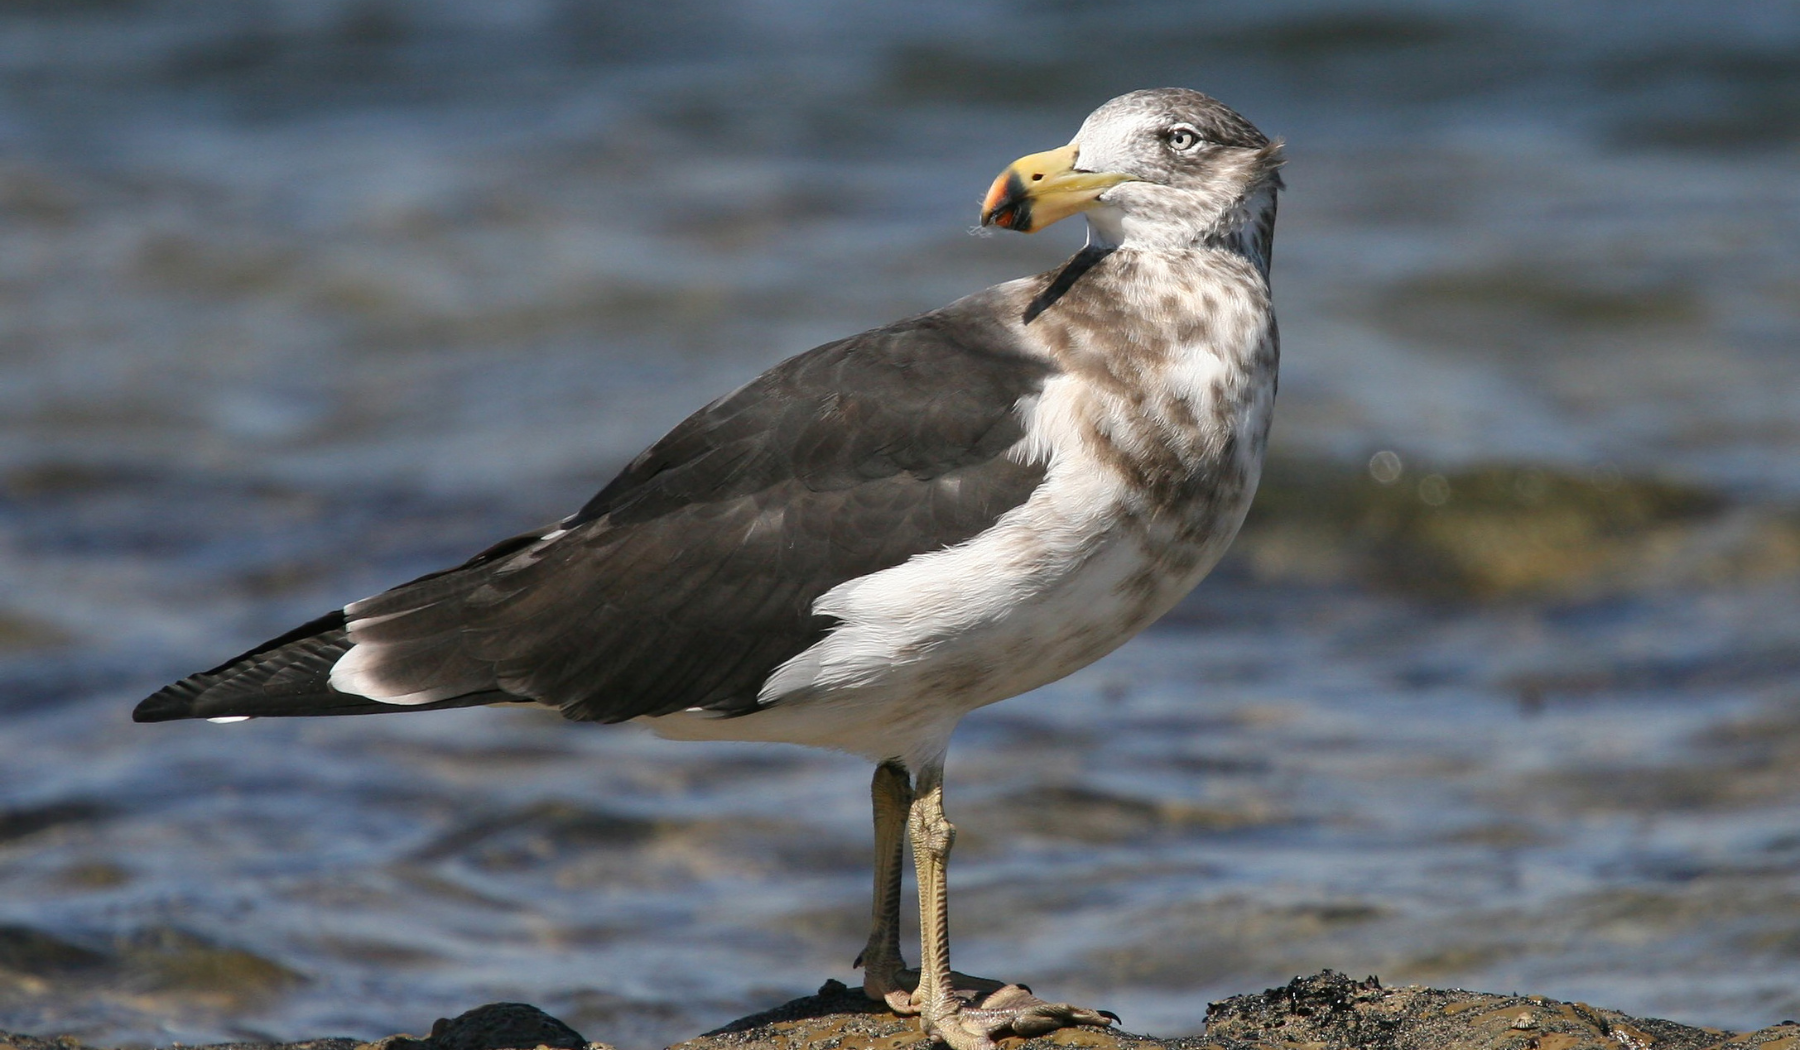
(884, 971)
(932, 836)
(965, 1012)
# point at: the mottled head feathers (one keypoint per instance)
(1202, 173)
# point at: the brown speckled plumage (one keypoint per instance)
(877, 536)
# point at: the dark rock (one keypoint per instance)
(1328, 1011)
(1325, 1012)
(496, 1026)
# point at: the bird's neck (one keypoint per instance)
(1241, 224)
(1157, 307)
(1244, 227)
(1248, 229)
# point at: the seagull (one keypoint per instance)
(874, 538)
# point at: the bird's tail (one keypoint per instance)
(283, 677)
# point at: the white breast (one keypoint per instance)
(1058, 582)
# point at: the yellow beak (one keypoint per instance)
(1035, 191)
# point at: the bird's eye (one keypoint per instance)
(1182, 137)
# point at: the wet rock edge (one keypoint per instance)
(1327, 1011)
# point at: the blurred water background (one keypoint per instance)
(301, 298)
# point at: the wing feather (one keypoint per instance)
(692, 575)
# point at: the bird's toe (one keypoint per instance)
(889, 982)
(973, 1024)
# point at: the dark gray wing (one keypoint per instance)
(691, 576)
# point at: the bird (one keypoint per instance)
(879, 535)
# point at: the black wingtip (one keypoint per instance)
(165, 705)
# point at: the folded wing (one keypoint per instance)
(692, 575)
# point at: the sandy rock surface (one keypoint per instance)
(1325, 1012)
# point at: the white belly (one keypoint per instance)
(1056, 583)
(1060, 582)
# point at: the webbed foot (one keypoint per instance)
(979, 1010)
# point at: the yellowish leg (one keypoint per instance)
(984, 1009)
(932, 836)
(884, 977)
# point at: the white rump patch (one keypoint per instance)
(222, 719)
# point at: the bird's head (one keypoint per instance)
(1163, 168)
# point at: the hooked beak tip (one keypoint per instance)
(1007, 204)
(1043, 188)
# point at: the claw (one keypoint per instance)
(972, 1021)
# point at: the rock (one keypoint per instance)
(1330, 1011)
(496, 1026)
(842, 1018)
(1327, 1011)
